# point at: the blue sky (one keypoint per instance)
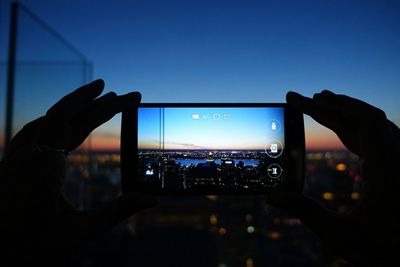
(210, 128)
(212, 51)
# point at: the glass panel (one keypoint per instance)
(47, 68)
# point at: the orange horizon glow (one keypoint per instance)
(316, 139)
(185, 147)
(101, 143)
(321, 138)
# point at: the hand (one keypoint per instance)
(37, 221)
(368, 233)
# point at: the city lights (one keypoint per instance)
(213, 219)
(274, 235)
(251, 229)
(226, 171)
(328, 196)
(249, 262)
(340, 190)
(355, 195)
(212, 197)
(222, 231)
(294, 221)
(341, 167)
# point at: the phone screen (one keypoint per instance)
(210, 149)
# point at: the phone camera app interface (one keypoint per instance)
(211, 149)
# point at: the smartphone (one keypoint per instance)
(212, 149)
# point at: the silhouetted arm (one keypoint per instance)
(369, 234)
(38, 223)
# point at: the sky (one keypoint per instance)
(210, 128)
(207, 51)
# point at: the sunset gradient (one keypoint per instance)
(246, 128)
(206, 51)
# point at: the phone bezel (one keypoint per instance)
(294, 148)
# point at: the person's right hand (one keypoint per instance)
(369, 233)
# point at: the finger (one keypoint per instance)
(86, 226)
(320, 113)
(100, 111)
(327, 115)
(351, 108)
(299, 102)
(105, 107)
(72, 104)
(357, 118)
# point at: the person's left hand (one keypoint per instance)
(37, 221)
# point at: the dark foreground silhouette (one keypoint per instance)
(369, 234)
(39, 225)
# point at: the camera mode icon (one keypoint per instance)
(274, 171)
(274, 148)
